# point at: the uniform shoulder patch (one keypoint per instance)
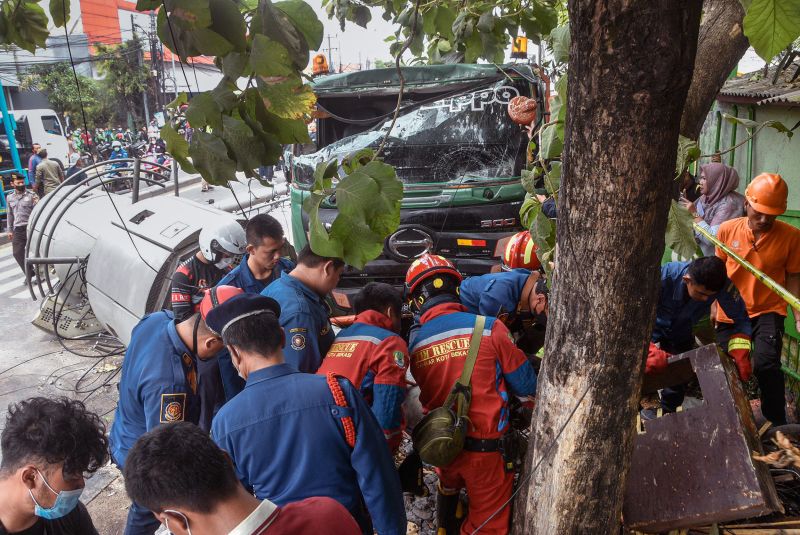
(298, 342)
(399, 359)
(173, 407)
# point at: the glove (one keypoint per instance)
(656, 360)
(739, 350)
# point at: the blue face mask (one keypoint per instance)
(66, 501)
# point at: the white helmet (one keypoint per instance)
(222, 242)
(116, 144)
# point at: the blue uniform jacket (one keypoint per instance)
(304, 318)
(494, 293)
(156, 385)
(677, 313)
(284, 434)
(243, 278)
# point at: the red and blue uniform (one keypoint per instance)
(438, 353)
(375, 360)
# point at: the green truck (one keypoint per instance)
(454, 147)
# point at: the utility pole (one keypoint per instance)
(330, 56)
(156, 63)
(139, 62)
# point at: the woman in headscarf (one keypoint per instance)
(718, 203)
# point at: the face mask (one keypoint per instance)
(185, 520)
(66, 501)
(20, 188)
(225, 262)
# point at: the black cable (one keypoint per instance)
(197, 83)
(175, 42)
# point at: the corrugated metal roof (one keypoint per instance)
(760, 88)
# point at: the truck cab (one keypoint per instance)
(454, 147)
(35, 126)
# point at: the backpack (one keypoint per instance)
(439, 436)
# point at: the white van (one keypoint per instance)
(42, 127)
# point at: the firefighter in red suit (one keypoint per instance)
(438, 351)
(374, 357)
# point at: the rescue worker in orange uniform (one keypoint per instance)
(438, 353)
(773, 247)
(372, 355)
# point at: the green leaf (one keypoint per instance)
(26, 25)
(269, 58)
(772, 25)
(444, 46)
(178, 147)
(210, 157)
(688, 152)
(543, 233)
(546, 17)
(429, 21)
(552, 178)
(445, 17)
(147, 5)
(203, 111)
(224, 95)
(248, 149)
(551, 144)
(286, 131)
(529, 209)
(304, 19)
(234, 65)
(228, 22)
(359, 14)
(278, 26)
(747, 123)
(290, 99)
(486, 22)
(190, 43)
(181, 99)
(57, 8)
(474, 48)
(324, 174)
(680, 234)
(189, 14)
(368, 202)
(559, 42)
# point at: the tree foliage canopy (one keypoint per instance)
(241, 126)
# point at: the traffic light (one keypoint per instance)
(519, 50)
(320, 65)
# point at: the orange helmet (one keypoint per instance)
(767, 193)
(521, 252)
(215, 296)
(427, 266)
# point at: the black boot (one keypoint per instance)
(449, 512)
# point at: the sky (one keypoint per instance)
(355, 40)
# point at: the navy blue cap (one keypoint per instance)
(239, 307)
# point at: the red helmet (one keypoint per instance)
(521, 252)
(427, 266)
(215, 296)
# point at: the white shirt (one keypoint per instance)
(258, 521)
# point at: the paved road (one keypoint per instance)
(34, 363)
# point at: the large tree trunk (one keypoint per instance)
(630, 70)
(721, 45)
